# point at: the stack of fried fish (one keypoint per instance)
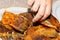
(20, 27)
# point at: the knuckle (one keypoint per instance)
(41, 13)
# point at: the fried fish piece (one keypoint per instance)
(7, 18)
(55, 22)
(3, 29)
(41, 30)
(33, 34)
(27, 15)
(16, 21)
(48, 24)
(52, 22)
(4, 32)
(20, 23)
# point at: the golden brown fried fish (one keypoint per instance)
(16, 21)
(52, 22)
(42, 30)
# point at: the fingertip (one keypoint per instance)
(36, 18)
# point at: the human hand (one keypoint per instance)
(42, 6)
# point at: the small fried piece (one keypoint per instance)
(17, 36)
(48, 24)
(27, 15)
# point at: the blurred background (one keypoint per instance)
(23, 3)
(12, 3)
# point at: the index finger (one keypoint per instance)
(40, 13)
